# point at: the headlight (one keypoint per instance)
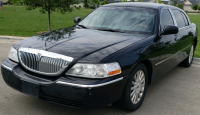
(95, 70)
(13, 55)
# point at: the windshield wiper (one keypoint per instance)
(110, 30)
(82, 26)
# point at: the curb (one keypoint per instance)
(196, 61)
(12, 38)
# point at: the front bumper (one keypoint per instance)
(65, 90)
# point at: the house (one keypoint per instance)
(4, 1)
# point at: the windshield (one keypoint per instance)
(124, 19)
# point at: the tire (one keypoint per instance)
(188, 61)
(133, 89)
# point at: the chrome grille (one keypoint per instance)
(43, 62)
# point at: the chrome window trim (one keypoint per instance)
(90, 86)
(46, 54)
(6, 67)
(172, 15)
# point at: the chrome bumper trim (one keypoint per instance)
(90, 86)
(8, 68)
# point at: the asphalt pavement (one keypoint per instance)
(177, 93)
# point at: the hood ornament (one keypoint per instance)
(38, 57)
(45, 46)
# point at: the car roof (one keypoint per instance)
(135, 4)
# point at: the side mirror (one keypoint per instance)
(169, 29)
(77, 20)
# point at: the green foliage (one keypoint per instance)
(16, 2)
(175, 3)
(104, 2)
(139, 0)
(159, 1)
(132, 0)
(51, 5)
(28, 23)
(195, 6)
(179, 5)
(85, 3)
(95, 3)
(198, 8)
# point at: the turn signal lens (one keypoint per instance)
(114, 72)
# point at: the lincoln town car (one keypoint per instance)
(108, 57)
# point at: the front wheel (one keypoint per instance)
(135, 89)
(188, 61)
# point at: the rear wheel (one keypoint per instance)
(188, 61)
(135, 90)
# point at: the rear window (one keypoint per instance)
(185, 19)
(179, 18)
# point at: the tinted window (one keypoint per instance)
(179, 18)
(166, 19)
(185, 19)
(125, 19)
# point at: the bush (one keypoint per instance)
(194, 7)
(198, 8)
(179, 5)
(159, 1)
(104, 2)
(5, 3)
(85, 4)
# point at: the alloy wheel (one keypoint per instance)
(191, 54)
(137, 88)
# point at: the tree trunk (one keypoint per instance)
(17, 8)
(49, 18)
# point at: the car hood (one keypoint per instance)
(78, 43)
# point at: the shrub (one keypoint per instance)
(194, 7)
(198, 8)
(85, 4)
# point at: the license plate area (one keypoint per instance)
(29, 88)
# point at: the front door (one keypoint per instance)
(169, 46)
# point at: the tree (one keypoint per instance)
(16, 2)
(198, 8)
(175, 3)
(195, 6)
(159, 1)
(139, 0)
(106, 2)
(51, 5)
(85, 4)
(96, 3)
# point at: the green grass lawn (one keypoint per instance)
(196, 19)
(28, 23)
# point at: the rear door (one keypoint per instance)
(185, 35)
